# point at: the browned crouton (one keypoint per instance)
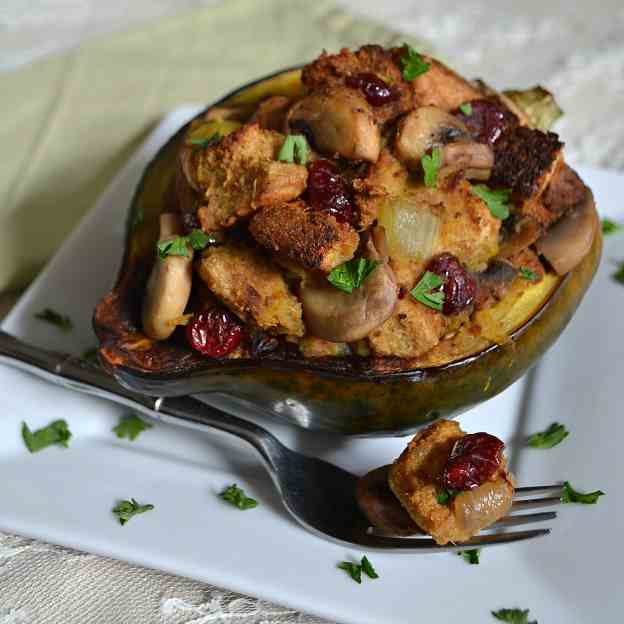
(311, 238)
(239, 173)
(252, 287)
(333, 69)
(271, 113)
(413, 329)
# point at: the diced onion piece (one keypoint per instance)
(411, 230)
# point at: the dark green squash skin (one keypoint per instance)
(313, 394)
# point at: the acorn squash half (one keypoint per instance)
(348, 396)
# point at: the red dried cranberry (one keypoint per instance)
(488, 119)
(474, 459)
(329, 191)
(214, 333)
(375, 90)
(460, 287)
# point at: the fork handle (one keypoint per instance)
(83, 376)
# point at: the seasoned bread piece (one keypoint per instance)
(239, 174)
(252, 287)
(415, 479)
(311, 238)
(413, 329)
(334, 69)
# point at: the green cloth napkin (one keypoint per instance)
(68, 123)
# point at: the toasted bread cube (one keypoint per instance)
(311, 238)
(252, 287)
(415, 479)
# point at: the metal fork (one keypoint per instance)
(319, 495)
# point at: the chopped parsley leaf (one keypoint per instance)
(497, 200)
(428, 291)
(130, 426)
(514, 616)
(570, 495)
(618, 276)
(611, 227)
(445, 496)
(552, 436)
(64, 323)
(179, 245)
(352, 569)
(350, 275)
(57, 432)
(367, 568)
(126, 509)
(236, 496)
(528, 274)
(466, 109)
(470, 556)
(413, 63)
(431, 165)
(294, 149)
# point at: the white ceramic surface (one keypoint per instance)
(65, 496)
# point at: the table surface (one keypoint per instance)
(574, 49)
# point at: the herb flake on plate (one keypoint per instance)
(470, 556)
(497, 200)
(611, 227)
(294, 149)
(618, 276)
(354, 570)
(413, 63)
(431, 165)
(130, 426)
(63, 322)
(513, 616)
(570, 495)
(428, 291)
(550, 437)
(126, 509)
(236, 496)
(57, 432)
(351, 275)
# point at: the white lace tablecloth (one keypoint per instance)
(576, 49)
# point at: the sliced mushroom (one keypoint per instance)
(429, 127)
(569, 240)
(169, 285)
(341, 122)
(337, 316)
(379, 504)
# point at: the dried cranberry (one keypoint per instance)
(488, 119)
(460, 287)
(375, 90)
(214, 333)
(474, 459)
(329, 191)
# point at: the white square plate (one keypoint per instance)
(65, 496)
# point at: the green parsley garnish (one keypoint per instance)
(350, 275)
(428, 291)
(445, 496)
(64, 323)
(126, 509)
(528, 274)
(57, 432)
(354, 570)
(413, 63)
(179, 245)
(514, 616)
(611, 227)
(470, 556)
(466, 109)
(130, 426)
(618, 276)
(431, 165)
(237, 497)
(497, 201)
(294, 148)
(570, 495)
(201, 144)
(550, 437)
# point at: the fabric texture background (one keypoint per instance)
(68, 122)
